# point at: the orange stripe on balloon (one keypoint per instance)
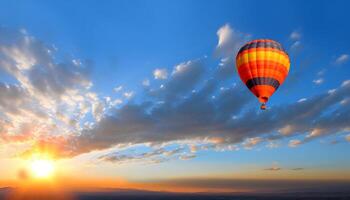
(264, 63)
(245, 76)
(263, 49)
(252, 69)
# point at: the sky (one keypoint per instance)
(145, 94)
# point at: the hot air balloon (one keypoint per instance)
(263, 66)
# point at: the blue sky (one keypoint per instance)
(122, 44)
(119, 34)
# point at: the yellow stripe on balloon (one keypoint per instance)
(263, 55)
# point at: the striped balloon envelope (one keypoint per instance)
(263, 66)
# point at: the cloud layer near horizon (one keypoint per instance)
(49, 103)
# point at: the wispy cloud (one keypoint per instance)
(298, 169)
(295, 46)
(160, 73)
(129, 94)
(348, 138)
(251, 142)
(118, 88)
(294, 143)
(153, 156)
(188, 156)
(318, 81)
(146, 83)
(302, 100)
(342, 59)
(295, 35)
(273, 169)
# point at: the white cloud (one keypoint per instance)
(146, 82)
(229, 41)
(97, 110)
(332, 91)
(318, 81)
(272, 144)
(129, 94)
(77, 62)
(118, 88)
(116, 102)
(345, 101)
(296, 45)
(321, 72)
(345, 83)
(295, 35)
(160, 73)
(302, 100)
(342, 59)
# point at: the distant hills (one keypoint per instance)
(134, 194)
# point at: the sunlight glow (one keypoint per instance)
(42, 168)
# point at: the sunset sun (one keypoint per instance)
(42, 168)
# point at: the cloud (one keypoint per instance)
(298, 169)
(318, 81)
(343, 58)
(46, 99)
(272, 144)
(199, 117)
(188, 156)
(294, 143)
(160, 74)
(321, 72)
(345, 83)
(295, 46)
(51, 102)
(157, 155)
(146, 83)
(118, 88)
(128, 95)
(251, 142)
(295, 35)
(184, 77)
(229, 42)
(273, 169)
(348, 138)
(287, 129)
(302, 100)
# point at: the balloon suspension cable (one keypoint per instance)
(263, 106)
